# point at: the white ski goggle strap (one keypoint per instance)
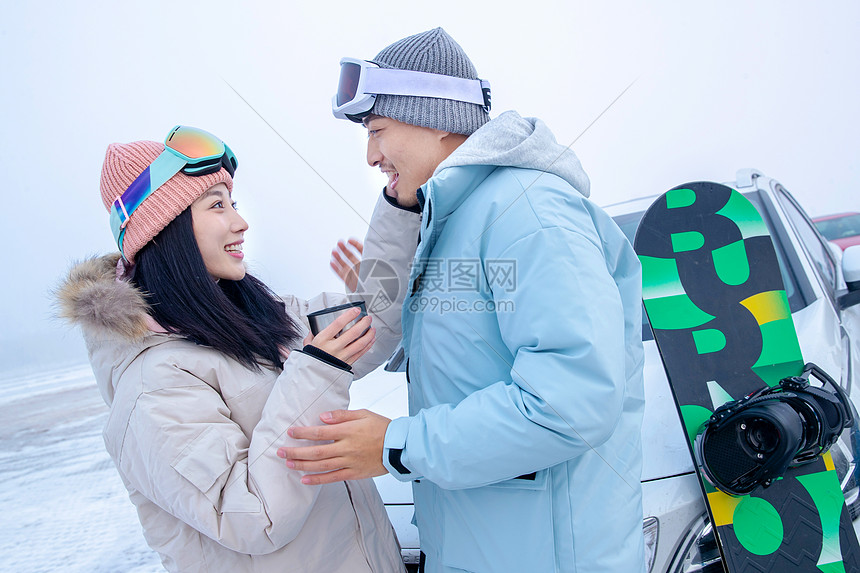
(361, 81)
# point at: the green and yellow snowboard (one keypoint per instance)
(716, 302)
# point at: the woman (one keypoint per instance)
(204, 370)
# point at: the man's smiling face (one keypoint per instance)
(407, 154)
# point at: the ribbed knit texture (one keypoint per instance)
(123, 163)
(434, 52)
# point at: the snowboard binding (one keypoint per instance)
(754, 440)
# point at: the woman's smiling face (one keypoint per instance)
(219, 231)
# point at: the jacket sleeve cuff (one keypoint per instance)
(393, 202)
(394, 455)
(326, 357)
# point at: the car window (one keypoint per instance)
(797, 288)
(817, 249)
(629, 222)
(839, 227)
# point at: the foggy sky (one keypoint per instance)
(772, 85)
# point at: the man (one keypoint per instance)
(521, 326)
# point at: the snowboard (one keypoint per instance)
(716, 302)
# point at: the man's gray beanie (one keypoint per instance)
(434, 52)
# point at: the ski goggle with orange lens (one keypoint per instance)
(361, 81)
(193, 151)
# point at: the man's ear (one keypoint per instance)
(440, 135)
(451, 140)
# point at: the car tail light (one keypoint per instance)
(844, 459)
(651, 529)
(698, 553)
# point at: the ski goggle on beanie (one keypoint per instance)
(361, 81)
(192, 151)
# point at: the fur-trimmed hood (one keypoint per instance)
(91, 297)
(113, 315)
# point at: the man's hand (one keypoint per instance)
(346, 262)
(357, 438)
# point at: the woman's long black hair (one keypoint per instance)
(242, 319)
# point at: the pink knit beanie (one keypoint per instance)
(123, 163)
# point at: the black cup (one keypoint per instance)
(322, 318)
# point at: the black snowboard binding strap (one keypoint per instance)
(754, 440)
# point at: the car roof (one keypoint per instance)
(834, 216)
(630, 206)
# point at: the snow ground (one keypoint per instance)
(64, 507)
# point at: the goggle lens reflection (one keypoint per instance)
(348, 84)
(194, 143)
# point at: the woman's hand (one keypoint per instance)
(346, 261)
(349, 346)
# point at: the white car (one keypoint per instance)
(678, 535)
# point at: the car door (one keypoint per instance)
(826, 269)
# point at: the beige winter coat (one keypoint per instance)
(194, 434)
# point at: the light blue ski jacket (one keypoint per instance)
(523, 338)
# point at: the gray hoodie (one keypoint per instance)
(513, 141)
